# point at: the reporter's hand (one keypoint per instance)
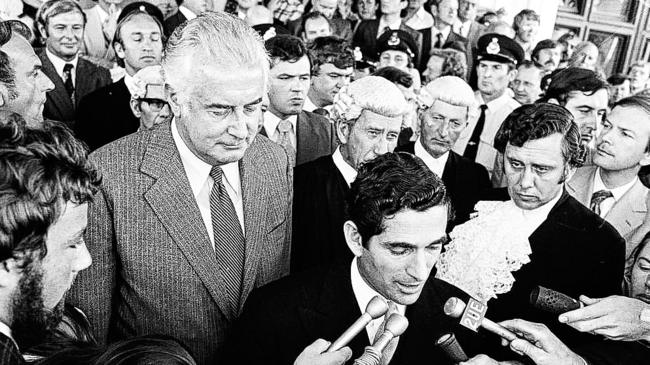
(315, 354)
(615, 317)
(540, 344)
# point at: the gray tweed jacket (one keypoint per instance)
(154, 269)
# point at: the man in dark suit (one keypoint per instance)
(396, 229)
(42, 219)
(304, 135)
(62, 23)
(442, 33)
(191, 216)
(105, 115)
(320, 186)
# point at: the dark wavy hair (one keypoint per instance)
(286, 48)
(561, 83)
(42, 169)
(395, 75)
(388, 184)
(535, 121)
(332, 50)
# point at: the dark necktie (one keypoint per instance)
(438, 41)
(474, 140)
(229, 242)
(67, 79)
(598, 198)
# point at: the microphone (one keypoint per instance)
(376, 308)
(473, 318)
(394, 327)
(552, 301)
(449, 344)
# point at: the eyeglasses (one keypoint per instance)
(155, 104)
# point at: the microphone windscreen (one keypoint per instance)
(449, 344)
(552, 301)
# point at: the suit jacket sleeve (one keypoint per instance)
(94, 287)
(289, 223)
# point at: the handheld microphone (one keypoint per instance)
(376, 308)
(449, 344)
(395, 326)
(472, 318)
(552, 301)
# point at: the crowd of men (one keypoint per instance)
(238, 182)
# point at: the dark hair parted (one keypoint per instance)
(332, 50)
(536, 121)
(42, 169)
(563, 82)
(286, 48)
(388, 184)
(395, 75)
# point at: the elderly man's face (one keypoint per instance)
(493, 77)
(219, 116)
(314, 28)
(288, 87)
(623, 140)
(526, 85)
(141, 44)
(329, 81)
(397, 262)
(535, 171)
(64, 34)
(440, 127)
(370, 136)
(152, 112)
(31, 84)
(527, 30)
(326, 7)
(434, 68)
(394, 58)
(588, 111)
(549, 58)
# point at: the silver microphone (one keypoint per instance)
(395, 326)
(376, 308)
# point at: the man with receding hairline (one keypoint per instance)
(192, 215)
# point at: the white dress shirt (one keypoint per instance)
(198, 174)
(497, 111)
(189, 14)
(309, 105)
(364, 293)
(436, 165)
(348, 172)
(420, 20)
(462, 28)
(130, 83)
(434, 35)
(6, 330)
(271, 127)
(533, 218)
(618, 192)
(59, 64)
(395, 25)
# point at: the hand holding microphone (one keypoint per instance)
(472, 317)
(552, 301)
(394, 327)
(376, 308)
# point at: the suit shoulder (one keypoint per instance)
(263, 149)
(318, 167)
(582, 218)
(313, 117)
(123, 154)
(469, 165)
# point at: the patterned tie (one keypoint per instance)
(389, 351)
(285, 132)
(472, 145)
(598, 198)
(229, 242)
(67, 80)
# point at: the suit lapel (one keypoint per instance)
(582, 184)
(84, 77)
(172, 201)
(628, 212)
(336, 189)
(59, 96)
(449, 172)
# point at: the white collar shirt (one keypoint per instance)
(309, 105)
(462, 28)
(497, 111)
(436, 165)
(348, 172)
(130, 83)
(60, 63)
(617, 192)
(445, 34)
(533, 218)
(271, 127)
(395, 25)
(364, 294)
(6, 330)
(420, 20)
(198, 174)
(189, 14)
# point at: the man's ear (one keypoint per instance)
(10, 272)
(353, 238)
(119, 50)
(135, 108)
(343, 129)
(4, 95)
(511, 75)
(43, 31)
(173, 101)
(553, 101)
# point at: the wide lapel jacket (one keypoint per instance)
(58, 105)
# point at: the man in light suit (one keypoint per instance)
(611, 187)
(191, 216)
(305, 136)
(100, 30)
(62, 25)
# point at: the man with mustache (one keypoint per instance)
(610, 187)
(305, 136)
(62, 23)
(105, 115)
(547, 54)
(42, 221)
(22, 82)
(192, 215)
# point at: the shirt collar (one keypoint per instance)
(189, 14)
(130, 83)
(309, 105)
(6, 330)
(198, 171)
(495, 104)
(348, 172)
(59, 63)
(540, 214)
(271, 122)
(617, 192)
(393, 26)
(436, 165)
(363, 292)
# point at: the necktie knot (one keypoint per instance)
(67, 68)
(285, 126)
(483, 107)
(597, 198)
(216, 173)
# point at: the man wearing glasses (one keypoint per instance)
(149, 100)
